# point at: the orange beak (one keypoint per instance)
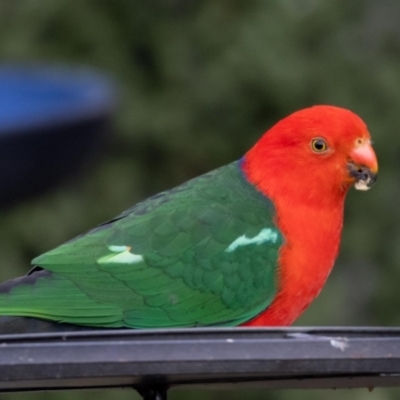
(363, 166)
(365, 156)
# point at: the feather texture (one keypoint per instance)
(204, 253)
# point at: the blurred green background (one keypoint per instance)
(199, 82)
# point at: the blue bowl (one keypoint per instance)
(52, 120)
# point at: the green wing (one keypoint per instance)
(204, 253)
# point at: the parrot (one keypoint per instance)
(250, 243)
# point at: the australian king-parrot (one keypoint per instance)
(250, 243)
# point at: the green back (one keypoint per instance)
(203, 253)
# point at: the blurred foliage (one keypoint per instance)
(199, 82)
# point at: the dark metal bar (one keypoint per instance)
(153, 360)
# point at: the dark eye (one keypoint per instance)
(319, 145)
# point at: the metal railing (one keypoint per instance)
(152, 361)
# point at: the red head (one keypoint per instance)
(317, 153)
